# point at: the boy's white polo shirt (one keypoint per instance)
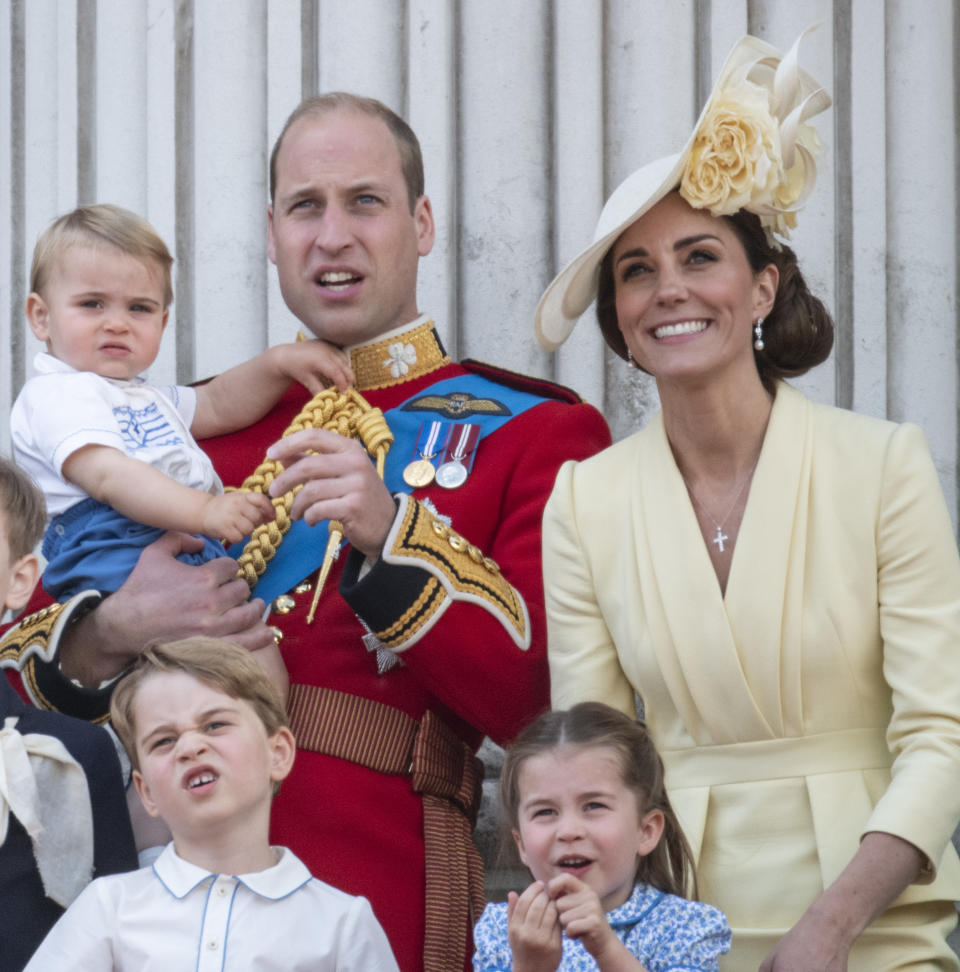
(177, 915)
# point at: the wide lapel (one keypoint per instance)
(765, 588)
(689, 630)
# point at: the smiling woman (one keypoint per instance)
(764, 572)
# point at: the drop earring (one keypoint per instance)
(630, 362)
(758, 334)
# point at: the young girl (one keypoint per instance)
(582, 792)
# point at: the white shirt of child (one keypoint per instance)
(61, 410)
(176, 915)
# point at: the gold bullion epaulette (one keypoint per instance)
(459, 571)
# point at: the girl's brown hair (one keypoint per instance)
(669, 866)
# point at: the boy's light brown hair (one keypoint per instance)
(98, 225)
(23, 509)
(214, 661)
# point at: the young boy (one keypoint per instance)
(116, 457)
(207, 737)
(63, 817)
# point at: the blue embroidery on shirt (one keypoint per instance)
(142, 428)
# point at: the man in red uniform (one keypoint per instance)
(430, 632)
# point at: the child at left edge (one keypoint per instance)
(114, 455)
(582, 791)
(207, 736)
(63, 816)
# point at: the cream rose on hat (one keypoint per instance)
(751, 149)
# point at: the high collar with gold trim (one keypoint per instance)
(400, 355)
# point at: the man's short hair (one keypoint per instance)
(22, 507)
(411, 159)
(216, 662)
(97, 225)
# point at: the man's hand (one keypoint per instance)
(339, 483)
(533, 930)
(233, 516)
(163, 600)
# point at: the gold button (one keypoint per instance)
(303, 588)
(284, 604)
(440, 528)
(456, 541)
(491, 565)
(474, 553)
(277, 634)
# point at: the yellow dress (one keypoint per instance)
(817, 700)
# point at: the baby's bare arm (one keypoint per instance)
(242, 395)
(145, 494)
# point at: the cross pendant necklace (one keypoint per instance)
(721, 536)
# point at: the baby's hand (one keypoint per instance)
(233, 516)
(581, 914)
(315, 364)
(533, 930)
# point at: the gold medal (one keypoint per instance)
(419, 473)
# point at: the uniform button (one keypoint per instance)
(303, 588)
(213, 945)
(277, 634)
(284, 604)
(221, 890)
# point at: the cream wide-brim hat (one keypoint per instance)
(793, 96)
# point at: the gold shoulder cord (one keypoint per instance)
(346, 413)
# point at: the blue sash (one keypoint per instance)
(303, 547)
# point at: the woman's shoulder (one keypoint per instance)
(854, 433)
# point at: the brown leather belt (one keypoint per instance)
(442, 769)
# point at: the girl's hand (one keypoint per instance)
(582, 916)
(533, 930)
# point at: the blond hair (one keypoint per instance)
(102, 224)
(22, 507)
(214, 661)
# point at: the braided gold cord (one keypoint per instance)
(346, 413)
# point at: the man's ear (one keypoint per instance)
(426, 231)
(23, 579)
(271, 243)
(38, 316)
(283, 748)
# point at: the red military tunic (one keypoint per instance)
(462, 657)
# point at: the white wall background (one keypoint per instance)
(529, 112)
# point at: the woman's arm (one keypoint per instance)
(820, 941)
(918, 574)
(142, 493)
(242, 395)
(583, 659)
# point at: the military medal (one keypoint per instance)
(452, 475)
(458, 458)
(420, 472)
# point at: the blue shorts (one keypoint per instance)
(93, 547)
